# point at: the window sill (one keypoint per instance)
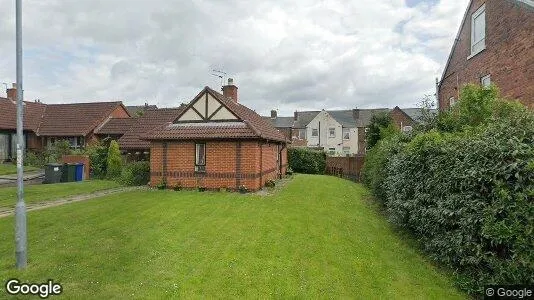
(476, 53)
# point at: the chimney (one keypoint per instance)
(12, 93)
(295, 115)
(273, 114)
(230, 90)
(355, 114)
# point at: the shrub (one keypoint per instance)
(114, 162)
(136, 173)
(98, 156)
(377, 124)
(35, 159)
(56, 151)
(270, 183)
(303, 160)
(162, 184)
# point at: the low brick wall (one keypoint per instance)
(75, 159)
(345, 167)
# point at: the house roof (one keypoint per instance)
(76, 119)
(304, 118)
(145, 123)
(135, 109)
(115, 126)
(280, 122)
(344, 117)
(33, 112)
(364, 115)
(416, 114)
(249, 124)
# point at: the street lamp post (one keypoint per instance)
(21, 251)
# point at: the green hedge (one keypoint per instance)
(136, 173)
(303, 160)
(465, 189)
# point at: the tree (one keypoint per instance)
(114, 167)
(379, 122)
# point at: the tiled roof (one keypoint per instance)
(251, 125)
(304, 118)
(416, 113)
(116, 126)
(135, 109)
(76, 119)
(363, 116)
(343, 117)
(32, 115)
(145, 123)
(280, 122)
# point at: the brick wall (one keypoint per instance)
(74, 159)
(119, 112)
(346, 167)
(229, 164)
(361, 140)
(400, 118)
(508, 58)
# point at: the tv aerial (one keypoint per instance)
(220, 74)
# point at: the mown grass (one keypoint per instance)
(9, 169)
(316, 238)
(49, 192)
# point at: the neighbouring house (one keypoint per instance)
(131, 143)
(46, 123)
(76, 122)
(115, 128)
(495, 44)
(216, 142)
(340, 132)
(139, 110)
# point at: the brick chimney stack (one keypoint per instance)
(12, 92)
(274, 114)
(230, 90)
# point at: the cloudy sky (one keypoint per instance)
(283, 54)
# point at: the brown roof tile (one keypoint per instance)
(33, 113)
(252, 125)
(148, 121)
(115, 126)
(76, 119)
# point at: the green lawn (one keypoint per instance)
(316, 238)
(8, 169)
(50, 192)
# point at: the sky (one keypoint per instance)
(282, 54)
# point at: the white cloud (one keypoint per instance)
(283, 54)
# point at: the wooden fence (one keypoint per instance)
(345, 167)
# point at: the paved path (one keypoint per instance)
(4, 211)
(29, 178)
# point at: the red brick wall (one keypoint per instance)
(400, 119)
(508, 58)
(73, 159)
(258, 163)
(361, 140)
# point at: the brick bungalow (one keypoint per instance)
(494, 44)
(47, 123)
(216, 142)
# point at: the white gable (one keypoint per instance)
(204, 108)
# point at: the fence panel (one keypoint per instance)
(345, 167)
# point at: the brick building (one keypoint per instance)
(216, 142)
(495, 44)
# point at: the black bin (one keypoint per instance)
(53, 173)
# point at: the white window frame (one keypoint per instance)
(452, 101)
(484, 78)
(315, 132)
(331, 151)
(346, 131)
(346, 150)
(302, 134)
(330, 135)
(476, 15)
(407, 128)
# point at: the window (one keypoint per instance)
(302, 134)
(407, 128)
(346, 150)
(332, 132)
(331, 151)
(366, 129)
(200, 157)
(452, 101)
(315, 132)
(485, 81)
(346, 133)
(478, 30)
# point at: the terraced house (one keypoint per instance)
(495, 44)
(216, 142)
